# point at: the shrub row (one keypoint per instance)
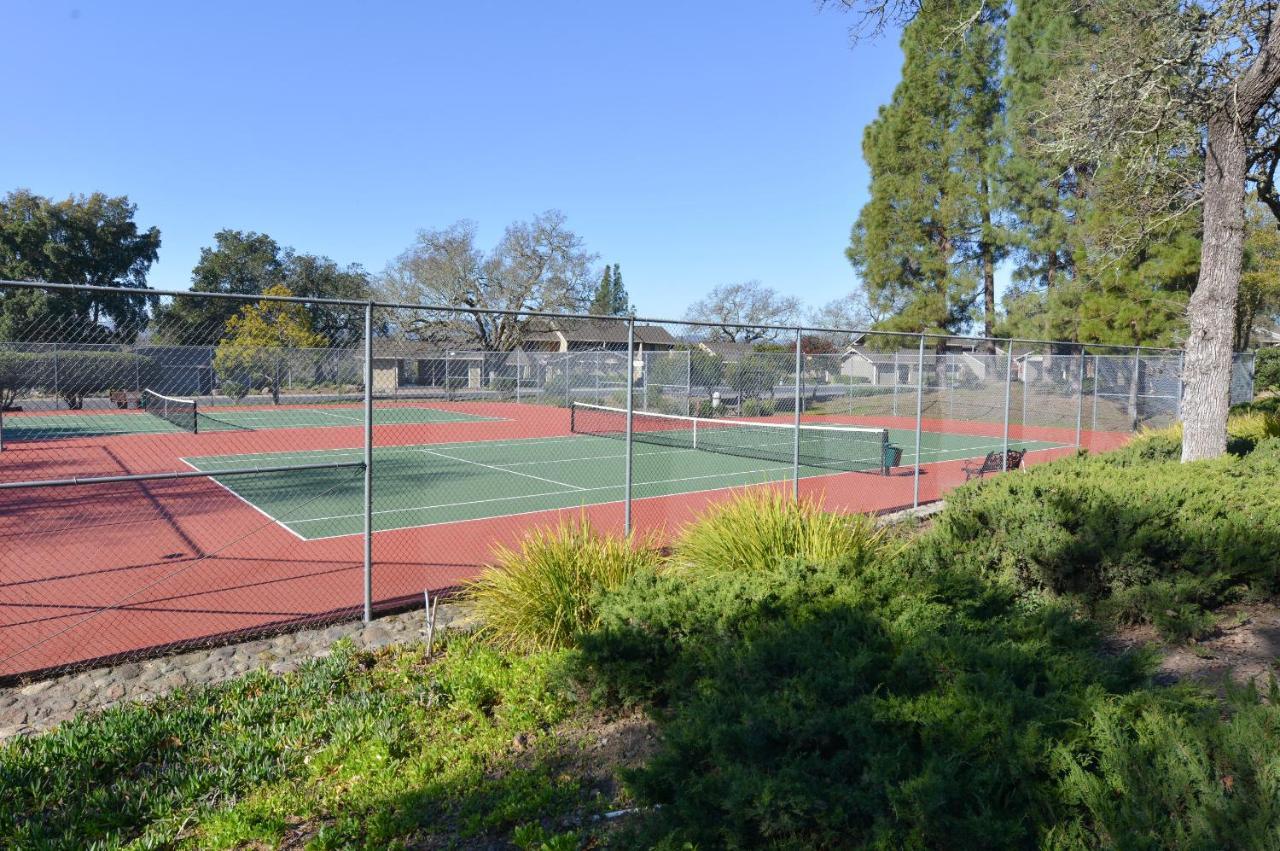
(1125, 534)
(73, 375)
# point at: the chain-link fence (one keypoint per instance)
(224, 468)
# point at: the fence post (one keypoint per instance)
(1008, 387)
(1080, 397)
(631, 361)
(795, 450)
(688, 380)
(368, 461)
(1137, 388)
(56, 392)
(448, 388)
(1097, 375)
(1181, 363)
(895, 383)
(915, 491)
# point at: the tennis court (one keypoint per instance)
(430, 484)
(95, 423)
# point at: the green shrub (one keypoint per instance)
(761, 527)
(19, 374)
(543, 595)
(759, 407)
(1247, 426)
(1133, 541)
(1153, 772)
(73, 375)
(825, 706)
(1266, 374)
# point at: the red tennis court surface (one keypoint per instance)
(95, 572)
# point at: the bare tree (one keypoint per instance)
(850, 313)
(740, 312)
(538, 265)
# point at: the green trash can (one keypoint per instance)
(892, 457)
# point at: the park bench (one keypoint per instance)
(122, 399)
(995, 462)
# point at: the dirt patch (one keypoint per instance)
(1244, 648)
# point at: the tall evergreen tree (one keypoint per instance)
(927, 243)
(620, 301)
(602, 301)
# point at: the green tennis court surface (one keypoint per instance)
(64, 424)
(449, 482)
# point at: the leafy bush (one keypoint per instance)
(1138, 541)
(761, 527)
(542, 595)
(1247, 426)
(19, 374)
(759, 407)
(828, 706)
(74, 375)
(1266, 374)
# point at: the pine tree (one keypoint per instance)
(602, 301)
(927, 242)
(620, 301)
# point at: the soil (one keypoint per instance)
(1244, 648)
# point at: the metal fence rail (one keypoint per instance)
(283, 480)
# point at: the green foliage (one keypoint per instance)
(85, 239)
(1267, 369)
(249, 263)
(758, 373)
(1136, 536)
(925, 244)
(760, 527)
(1154, 773)
(611, 297)
(842, 705)
(72, 374)
(18, 375)
(759, 407)
(255, 348)
(543, 595)
(371, 749)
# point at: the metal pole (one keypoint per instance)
(644, 377)
(915, 495)
(1137, 389)
(1080, 397)
(1008, 386)
(448, 393)
(688, 379)
(1097, 375)
(631, 360)
(795, 455)
(1181, 363)
(368, 460)
(517, 376)
(895, 383)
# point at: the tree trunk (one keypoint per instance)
(1211, 311)
(988, 272)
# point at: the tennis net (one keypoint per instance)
(843, 448)
(178, 412)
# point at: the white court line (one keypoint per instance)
(497, 443)
(501, 469)
(211, 478)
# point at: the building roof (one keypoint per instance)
(595, 331)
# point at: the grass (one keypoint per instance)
(357, 750)
(761, 527)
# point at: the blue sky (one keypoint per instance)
(694, 143)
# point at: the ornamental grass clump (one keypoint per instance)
(541, 595)
(758, 529)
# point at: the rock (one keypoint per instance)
(35, 688)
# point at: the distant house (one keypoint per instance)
(965, 357)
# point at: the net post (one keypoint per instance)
(368, 460)
(915, 486)
(1079, 395)
(1008, 388)
(631, 384)
(795, 455)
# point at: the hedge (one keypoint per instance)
(73, 375)
(1266, 374)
